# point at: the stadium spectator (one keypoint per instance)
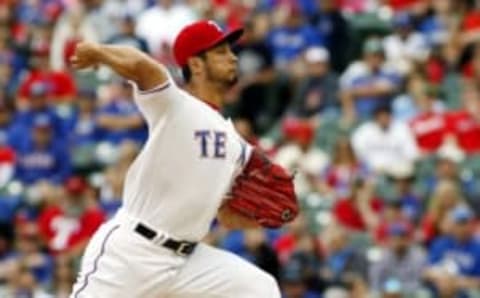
(383, 143)
(329, 20)
(402, 179)
(360, 210)
(436, 27)
(448, 166)
(306, 256)
(22, 283)
(316, 94)
(7, 77)
(84, 131)
(464, 124)
(289, 40)
(258, 251)
(59, 84)
(455, 258)
(114, 175)
(29, 253)
(345, 265)
(41, 156)
(287, 243)
(257, 78)
(405, 47)
(368, 83)
(470, 25)
(37, 106)
(445, 196)
(344, 168)
(357, 7)
(68, 224)
(471, 69)
(293, 279)
(119, 118)
(405, 5)
(127, 35)
(417, 99)
(299, 152)
(73, 25)
(175, 14)
(392, 213)
(429, 125)
(82, 125)
(400, 260)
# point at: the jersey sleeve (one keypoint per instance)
(156, 102)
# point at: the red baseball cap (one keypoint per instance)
(75, 185)
(201, 36)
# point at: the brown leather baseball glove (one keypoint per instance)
(264, 192)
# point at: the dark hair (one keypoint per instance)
(186, 73)
(382, 108)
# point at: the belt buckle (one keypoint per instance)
(180, 250)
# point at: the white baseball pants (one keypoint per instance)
(119, 263)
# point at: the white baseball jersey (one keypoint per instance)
(178, 181)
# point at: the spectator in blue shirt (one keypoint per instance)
(127, 35)
(368, 83)
(84, 131)
(287, 42)
(345, 265)
(329, 21)
(402, 178)
(7, 80)
(293, 280)
(38, 106)
(120, 118)
(42, 156)
(455, 257)
(448, 166)
(83, 127)
(29, 253)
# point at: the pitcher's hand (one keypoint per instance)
(86, 55)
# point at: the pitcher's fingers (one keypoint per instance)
(74, 59)
(78, 65)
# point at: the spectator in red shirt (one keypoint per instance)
(471, 69)
(61, 86)
(286, 244)
(359, 212)
(401, 5)
(344, 168)
(68, 225)
(470, 26)
(429, 125)
(464, 124)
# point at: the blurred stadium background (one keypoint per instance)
(375, 103)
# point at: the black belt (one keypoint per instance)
(181, 248)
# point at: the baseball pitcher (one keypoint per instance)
(193, 168)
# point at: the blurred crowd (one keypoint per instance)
(375, 104)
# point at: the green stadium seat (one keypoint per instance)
(472, 163)
(330, 129)
(317, 211)
(451, 88)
